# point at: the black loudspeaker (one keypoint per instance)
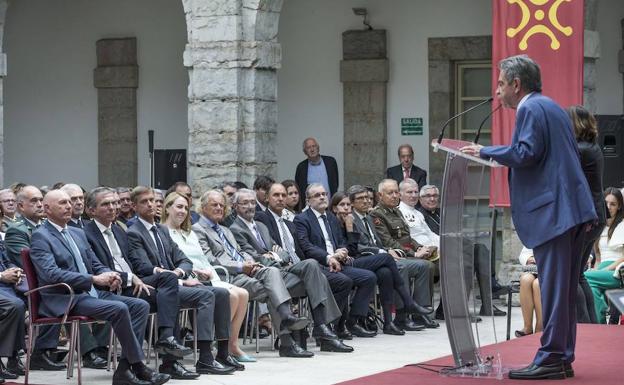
(169, 167)
(611, 141)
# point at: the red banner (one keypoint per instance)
(551, 33)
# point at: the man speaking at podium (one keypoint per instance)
(550, 206)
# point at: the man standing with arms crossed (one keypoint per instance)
(551, 205)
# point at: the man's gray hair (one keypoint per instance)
(428, 187)
(409, 182)
(523, 68)
(92, 196)
(384, 182)
(204, 198)
(355, 190)
(121, 190)
(70, 187)
(311, 186)
(239, 193)
(21, 194)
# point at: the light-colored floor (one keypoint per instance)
(372, 355)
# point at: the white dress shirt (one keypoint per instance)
(328, 244)
(419, 230)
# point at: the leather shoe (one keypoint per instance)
(177, 371)
(521, 333)
(231, 362)
(360, 331)
(294, 351)
(535, 372)
(569, 371)
(170, 346)
(213, 368)
(409, 325)
(336, 346)
(143, 372)
(497, 312)
(323, 331)
(5, 373)
(426, 321)
(125, 376)
(41, 361)
(93, 361)
(293, 322)
(392, 329)
(344, 333)
(415, 308)
(16, 366)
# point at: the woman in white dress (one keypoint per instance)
(177, 218)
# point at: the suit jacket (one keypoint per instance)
(83, 221)
(416, 173)
(248, 242)
(592, 163)
(301, 176)
(17, 238)
(143, 251)
(101, 250)
(549, 193)
(310, 235)
(366, 244)
(54, 262)
(269, 221)
(214, 248)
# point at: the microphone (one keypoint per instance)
(476, 139)
(460, 114)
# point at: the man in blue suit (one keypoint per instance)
(550, 206)
(62, 254)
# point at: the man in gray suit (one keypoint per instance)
(262, 282)
(301, 277)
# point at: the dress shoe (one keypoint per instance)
(16, 366)
(125, 376)
(292, 322)
(497, 312)
(409, 325)
(143, 372)
(213, 368)
(5, 373)
(392, 329)
(323, 331)
(426, 321)
(41, 361)
(568, 369)
(244, 358)
(177, 371)
(360, 331)
(294, 351)
(415, 308)
(535, 372)
(170, 346)
(336, 346)
(475, 319)
(521, 333)
(93, 361)
(344, 333)
(231, 362)
(439, 314)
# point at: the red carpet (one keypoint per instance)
(599, 359)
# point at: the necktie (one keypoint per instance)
(234, 254)
(77, 258)
(161, 250)
(120, 262)
(287, 243)
(406, 173)
(369, 229)
(329, 230)
(259, 237)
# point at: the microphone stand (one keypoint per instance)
(476, 139)
(460, 114)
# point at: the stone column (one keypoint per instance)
(117, 79)
(364, 75)
(3, 72)
(591, 54)
(232, 56)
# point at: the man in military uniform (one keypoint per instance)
(412, 258)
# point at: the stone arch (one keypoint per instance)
(232, 56)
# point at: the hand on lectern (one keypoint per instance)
(473, 150)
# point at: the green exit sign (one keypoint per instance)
(411, 126)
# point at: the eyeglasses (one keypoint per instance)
(319, 194)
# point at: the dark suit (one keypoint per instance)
(301, 176)
(163, 300)
(54, 262)
(12, 312)
(312, 242)
(550, 202)
(79, 224)
(212, 303)
(17, 238)
(416, 173)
